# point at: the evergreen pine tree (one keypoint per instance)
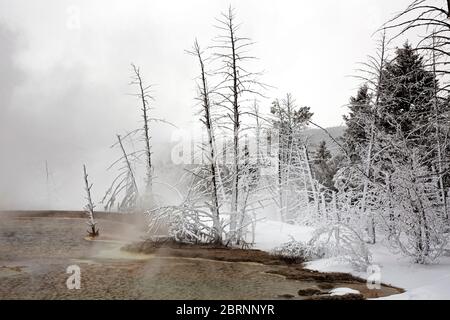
(406, 95)
(324, 167)
(355, 135)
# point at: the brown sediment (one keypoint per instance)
(325, 286)
(348, 296)
(322, 282)
(286, 296)
(171, 248)
(310, 292)
(13, 268)
(299, 273)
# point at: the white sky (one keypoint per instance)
(63, 89)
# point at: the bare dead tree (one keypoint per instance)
(126, 182)
(432, 18)
(421, 13)
(232, 53)
(207, 120)
(145, 97)
(89, 208)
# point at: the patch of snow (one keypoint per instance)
(331, 265)
(343, 291)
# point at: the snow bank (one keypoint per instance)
(438, 290)
(419, 281)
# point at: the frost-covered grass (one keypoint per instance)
(420, 281)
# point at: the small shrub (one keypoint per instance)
(343, 242)
(296, 252)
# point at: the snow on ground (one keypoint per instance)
(270, 234)
(419, 281)
(437, 290)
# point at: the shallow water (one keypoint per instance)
(35, 252)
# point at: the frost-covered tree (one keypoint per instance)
(342, 241)
(409, 201)
(393, 180)
(360, 138)
(222, 197)
(294, 183)
(429, 19)
(441, 117)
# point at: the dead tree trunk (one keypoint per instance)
(89, 208)
(144, 97)
(207, 121)
(232, 51)
(236, 127)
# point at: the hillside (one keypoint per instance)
(315, 136)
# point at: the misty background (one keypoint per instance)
(65, 73)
